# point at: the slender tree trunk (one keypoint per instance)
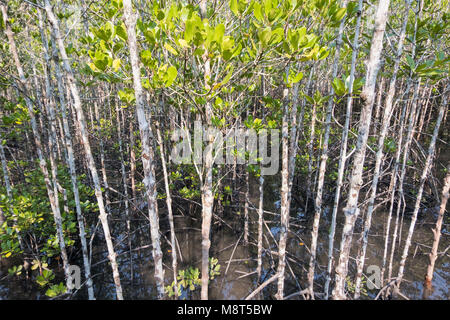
(72, 170)
(52, 195)
(379, 98)
(207, 193)
(392, 190)
(48, 104)
(437, 229)
(368, 94)
(6, 178)
(132, 162)
(246, 195)
(387, 113)
(408, 141)
(125, 189)
(87, 147)
(97, 127)
(401, 198)
(261, 205)
(323, 162)
(284, 197)
(343, 152)
(169, 211)
(426, 169)
(147, 152)
(312, 138)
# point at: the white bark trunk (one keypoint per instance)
(343, 152)
(147, 152)
(368, 94)
(437, 229)
(73, 174)
(387, 113)
(87, 147)
(284, 198)
(426, 169)
(169, 210)
(323, 162)
(52, 190)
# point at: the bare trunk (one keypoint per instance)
(323, 163)
(343, 152)
(132, 162)
(392, 190)
(147, 151)
(52, 190)
(387, 113)
(426, 169)
(98, 129)
(284, 197)
(125, 189)
(368, 94)
(87, 147)
(437, 230)
(207, 193)
(6, 178)
(169, 210)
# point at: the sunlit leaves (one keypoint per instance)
(121, 31)
(146, 58)
(341, 87)
(292, 78)
(170, 49)
(105, 32)
(170, 76)
(116, 64)
(234, 7)
(126, 95)
(56, 290)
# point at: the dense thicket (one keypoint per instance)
(94, 95)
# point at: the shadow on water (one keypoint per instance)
(238, 262)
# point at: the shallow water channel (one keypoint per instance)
(238, 262)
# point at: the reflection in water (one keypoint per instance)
(238, 263)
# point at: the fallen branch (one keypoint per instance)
(262, 286)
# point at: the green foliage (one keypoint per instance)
(351, 286)
(389, 145)
(189, 279)
(56, 290)
(29, 215)
(45, 277)
(15, 270)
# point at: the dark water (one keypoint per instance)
(238, 262)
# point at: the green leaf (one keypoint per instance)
(309, 99)
(189, 28)
(234, 7)
(116, 64)
(146, 58)
(338, 15)
(267, 6)
(219, 31)
(264, 35)
(160, 16)
(121, 32)
(227, 77)
(296, 78)
(257, 11)
(338, 86)
(183, 43)
(106, 31)
(170, 49)
(41, 281)
(411, 63)
(171, 75)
